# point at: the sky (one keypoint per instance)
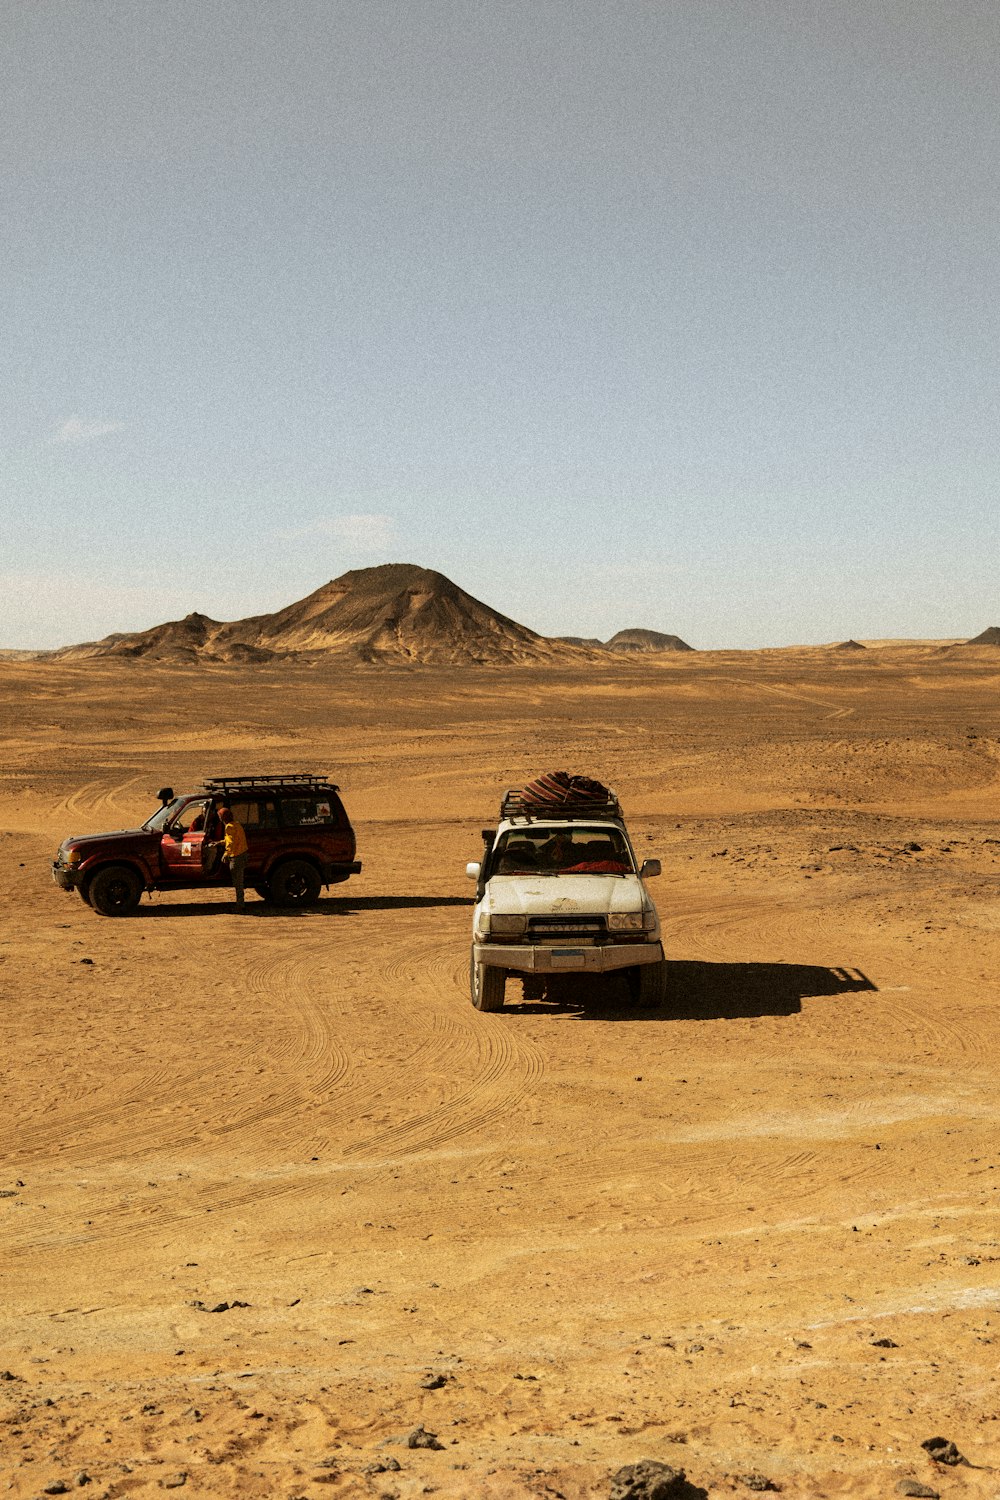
(681, 315)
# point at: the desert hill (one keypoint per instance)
(988, 637)
(394, 613)
(646, 640)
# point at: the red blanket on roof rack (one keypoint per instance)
(556, 788)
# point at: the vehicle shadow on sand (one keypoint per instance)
(696, 991)
(328, 906)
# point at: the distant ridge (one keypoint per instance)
(988, 637)
(630, 640)
(851, 645)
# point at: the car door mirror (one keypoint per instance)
(472, 870)
(649, 867)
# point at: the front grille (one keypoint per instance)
(585, 925)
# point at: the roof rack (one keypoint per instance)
(513, 806)
(303, 780)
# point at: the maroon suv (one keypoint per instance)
(299, 839)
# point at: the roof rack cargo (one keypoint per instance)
(302, 780)
(514, 806)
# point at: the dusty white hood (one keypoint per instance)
(548, 895)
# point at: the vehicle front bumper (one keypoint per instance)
(66, 877)
(565, 958)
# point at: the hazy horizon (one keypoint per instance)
(498, 608)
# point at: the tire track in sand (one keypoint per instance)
(492, 1063)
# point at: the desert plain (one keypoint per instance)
(274, 1195)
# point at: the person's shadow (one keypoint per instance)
(696, 991)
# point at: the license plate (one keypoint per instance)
(567, 958)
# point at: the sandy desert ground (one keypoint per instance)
(753, 1235)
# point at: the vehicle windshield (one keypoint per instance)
(562, 851)
(162, 815)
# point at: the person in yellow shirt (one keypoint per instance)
(234, 851)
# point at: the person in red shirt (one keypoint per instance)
(234, 851)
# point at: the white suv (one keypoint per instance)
(561, 892)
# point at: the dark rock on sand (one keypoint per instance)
(942, 1451)
(651, 1480)
(421, 1438)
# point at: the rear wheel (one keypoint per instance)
(115, 891)
(486, 985)
(651, 989)
(295, 883)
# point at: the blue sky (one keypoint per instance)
(680, 315)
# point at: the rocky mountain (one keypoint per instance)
(988, 637)
(394, 613)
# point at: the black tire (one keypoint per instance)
(115, 891)
(651, 989)
(486, 985)
(84, 893)
(295, 883)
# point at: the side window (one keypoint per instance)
(255, 813)
(309, 811)
(190, 819)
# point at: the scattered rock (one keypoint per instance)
(174, 1481)
(383, 1466)
(914, 1487)
(87, 961)
(57, 1487)
(220, 1307)
(421, 1438)
(81, 1479)
(650, 1480)
(757, 1482)
(913, 848)
(9, 1375)
(433, 1382)
(942, 1451)
(884, 1344)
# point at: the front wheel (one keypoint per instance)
(651, 989)
(295, 883)
(486, 985)
(115, 891)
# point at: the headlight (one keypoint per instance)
(508, 925)
(625, 921)
(72, 857)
